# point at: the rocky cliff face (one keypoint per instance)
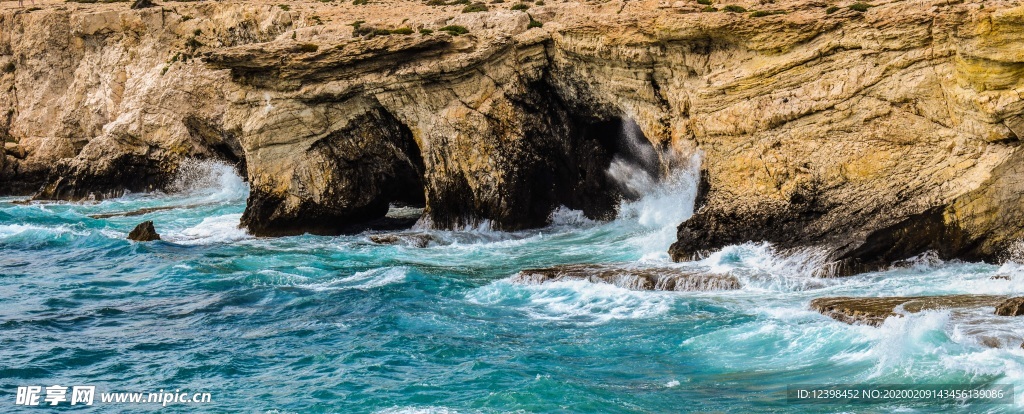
(876, 134)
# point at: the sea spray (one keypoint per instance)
(351, 325)
(212, 180)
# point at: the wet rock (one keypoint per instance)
(1000, 277)
(1011, 307)
(144, 232)
(874, 311)
(420, 240)
(672, 279)
(989, 341)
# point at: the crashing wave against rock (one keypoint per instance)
(879, 135)
(874, 311)
(665, 278)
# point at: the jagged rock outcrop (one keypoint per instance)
(144, 232)
(876, 134)
(1011, 307)
(672, 279)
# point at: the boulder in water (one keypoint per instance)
(1011, 307)
(144, 232)
(420, 240)
(874, 311)
(658, 278)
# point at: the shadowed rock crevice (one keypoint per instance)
(546, 156)
(214, 142)
(111, 178)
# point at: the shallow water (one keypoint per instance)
(340, 324)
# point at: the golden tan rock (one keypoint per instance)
(847, 130)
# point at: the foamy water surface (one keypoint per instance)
(341, 324)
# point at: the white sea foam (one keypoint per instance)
(211, 180)
(662, 207)
(216, 229)
(9, 230)
(574, 301)
(760, 267)
(564, 216)
(365, 280)
(422, 410)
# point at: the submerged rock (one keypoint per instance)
(874, 311)
(664, 278)
(1011, 307)
(142, 211)
(420, 240)
(144, 232)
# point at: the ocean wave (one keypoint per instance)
(212, 180)
(573, 301)
(365, 280)
(216, 229)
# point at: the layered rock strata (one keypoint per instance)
(671, 279)
(877, 134)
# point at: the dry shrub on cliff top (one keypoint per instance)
(734, 9)
(455, 30)
(475, 8)
(521, 6)
(860, 7)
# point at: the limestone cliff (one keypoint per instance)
(877, 134)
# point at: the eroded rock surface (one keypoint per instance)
(631, 278)
(874, 311)
(144, 232)
(878, 135)
(1011, 307)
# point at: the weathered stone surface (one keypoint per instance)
(1011, 307)
(631, 278)
(420, 240)
(877, 134)
(144, 232)
(874, 311)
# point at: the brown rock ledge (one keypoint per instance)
(657, 278)
(874, 311)
(1011, 307)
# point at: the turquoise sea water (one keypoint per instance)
(340, 324)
